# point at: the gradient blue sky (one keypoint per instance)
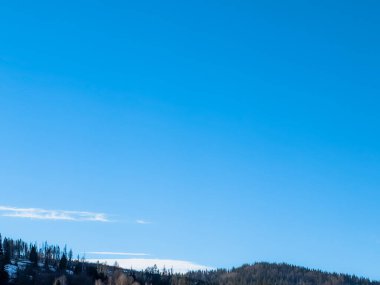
(241, 130)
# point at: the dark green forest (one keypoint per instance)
(24, 263)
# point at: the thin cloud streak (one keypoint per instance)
(56, 215)
(142, 222)
(118, 253)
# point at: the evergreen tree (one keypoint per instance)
(63, 262)
(70, 258)
(1, 246)
(3, 273)
(7, 251)
(33, 256)
(78, 267)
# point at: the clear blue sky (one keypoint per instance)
(241, 130)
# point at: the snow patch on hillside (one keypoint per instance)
(11, 270)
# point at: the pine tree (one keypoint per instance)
(1, 246)
(33, 256)
(7, 251)
(70, 258)
(3, 273)
(63, 262)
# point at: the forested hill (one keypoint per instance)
(27, 264)
(276, 274)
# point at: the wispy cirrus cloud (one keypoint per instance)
(143, 222)
(118, 253)
(57, 215)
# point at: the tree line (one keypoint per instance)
(49, 255)
(50, 265)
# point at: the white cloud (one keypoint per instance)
(142, 222)
(117, 253)
(42, 214)
(179, 266)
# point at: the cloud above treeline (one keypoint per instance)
(56, 215)
(178, 266)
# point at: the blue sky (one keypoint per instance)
(214, 132)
